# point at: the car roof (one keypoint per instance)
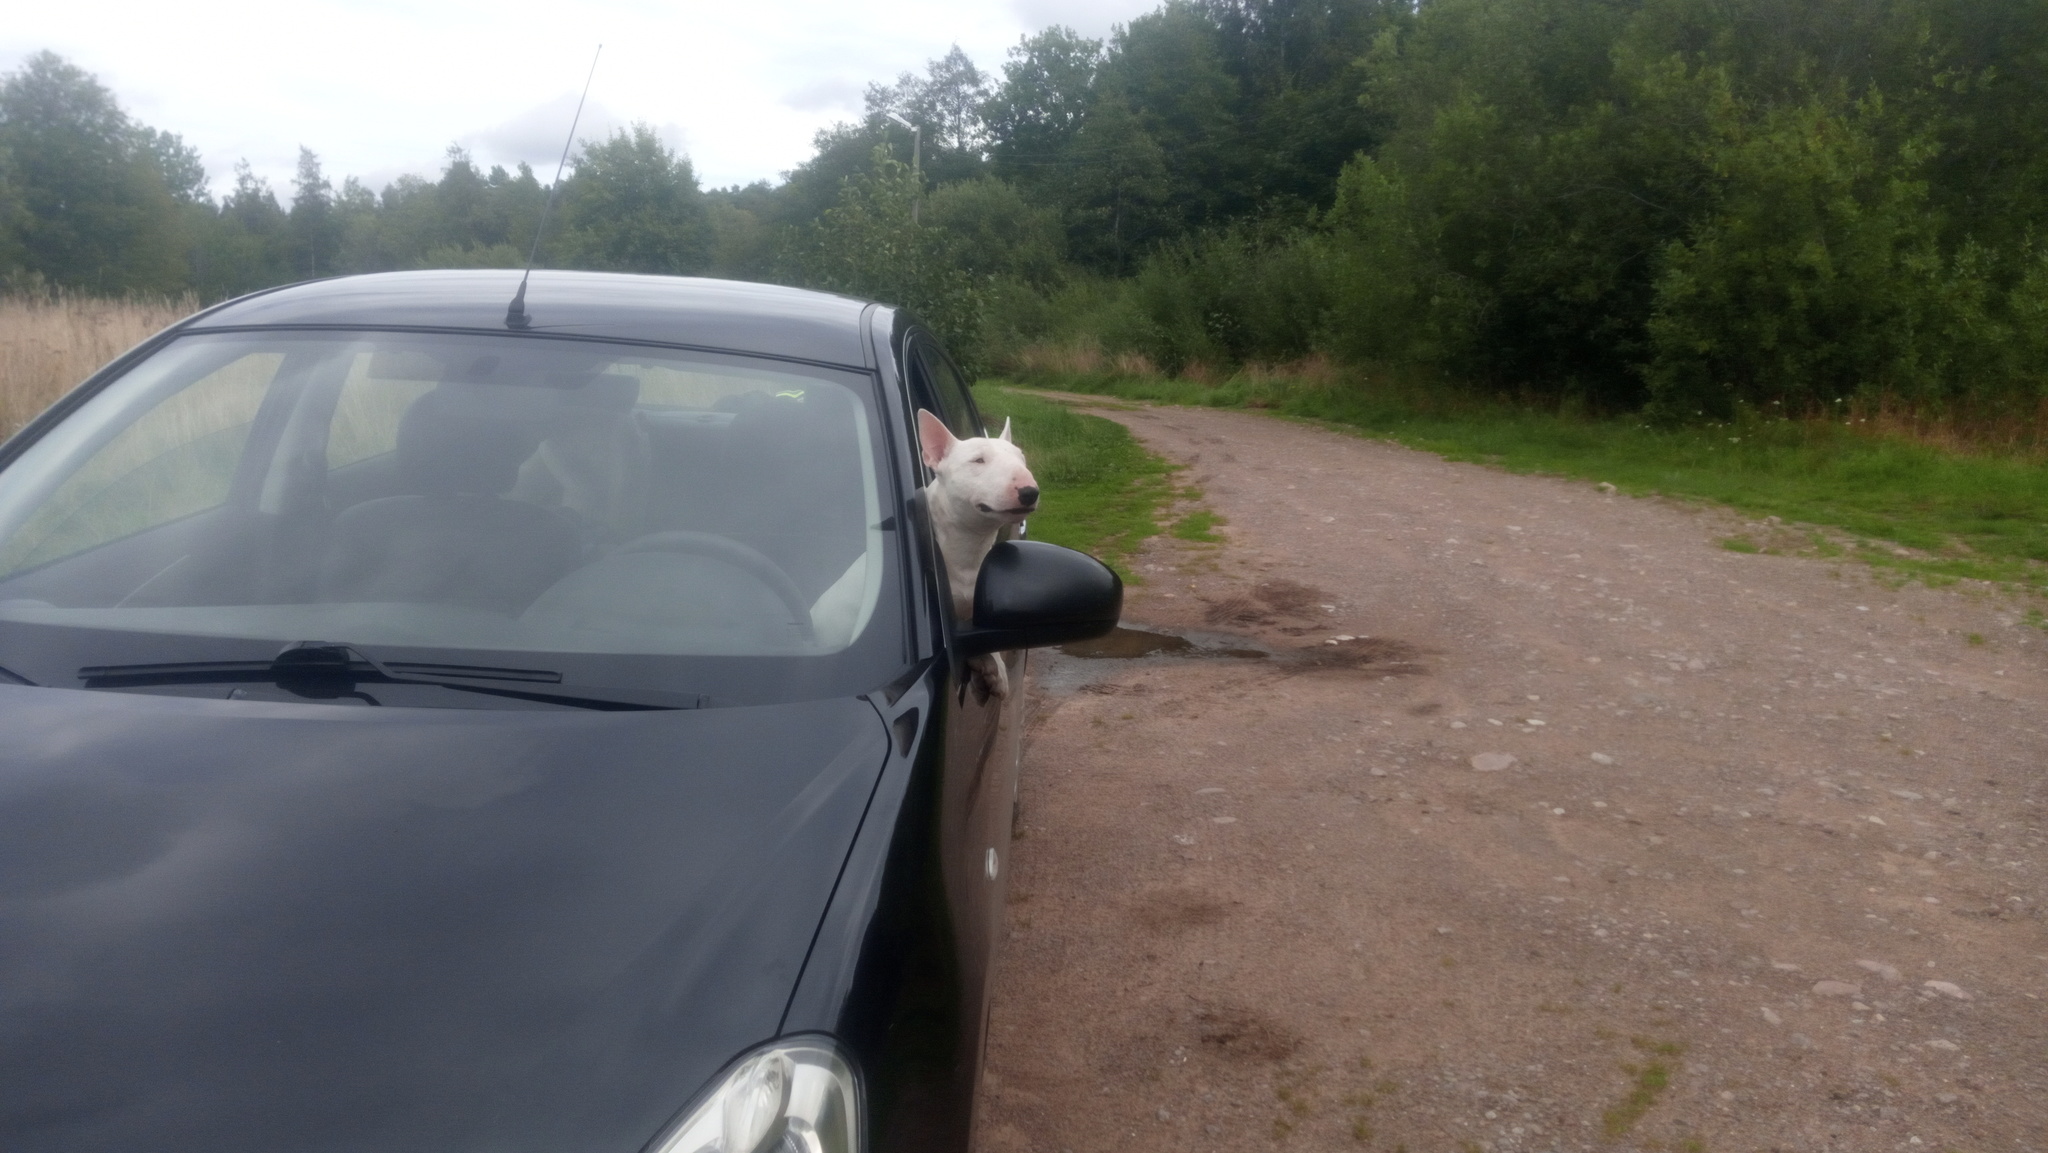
(734, 315)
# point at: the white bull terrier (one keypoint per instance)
(980, 485)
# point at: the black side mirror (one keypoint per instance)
(1031, 594)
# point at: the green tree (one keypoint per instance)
(314, 228)
(867, 245)
(743, 235)
(992, 230)
(178, 163)
(1300, 89)
(946, 103)
(91, 208)
(634, 206)
(248, 243)
(1819, 273)
(1119, 187)
(837, 153)
(1167, 68)
(1034, 116)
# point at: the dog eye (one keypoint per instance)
(980, 460)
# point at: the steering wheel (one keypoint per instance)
(739, 556)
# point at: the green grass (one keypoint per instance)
(1981, 516)
(1651, 1079)
(1103, 491)
(1198, 526)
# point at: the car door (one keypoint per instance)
(978, 792)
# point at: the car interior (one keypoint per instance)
(458, 490)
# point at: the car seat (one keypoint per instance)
(452, 539)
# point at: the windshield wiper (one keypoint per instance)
(320, 670)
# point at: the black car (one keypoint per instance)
(425, 730)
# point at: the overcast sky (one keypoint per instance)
(382, 87)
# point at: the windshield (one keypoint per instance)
(635, 516)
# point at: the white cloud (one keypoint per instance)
(536, 136)
(1088, 17)
(837, 94)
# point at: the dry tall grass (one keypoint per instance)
(49, 344)
(2016, 428)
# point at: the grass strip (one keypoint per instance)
(1959, 515)
(1103, 491)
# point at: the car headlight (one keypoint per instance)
(790, 1097)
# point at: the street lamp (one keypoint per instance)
(916, 175)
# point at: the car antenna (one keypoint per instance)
(515, 313)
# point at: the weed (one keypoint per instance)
(1975, 638)
(1740, 544)
(1361, 1130)
(1651, 1079)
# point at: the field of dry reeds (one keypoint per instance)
(49, 344)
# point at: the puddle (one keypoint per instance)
(1125, 644)
(1080, 666)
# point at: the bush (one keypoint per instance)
(1819, 274)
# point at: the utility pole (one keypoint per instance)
(916, 174)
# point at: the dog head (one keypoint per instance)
(987, 473)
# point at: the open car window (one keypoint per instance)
(458, 492)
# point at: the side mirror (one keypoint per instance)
(1031, 594)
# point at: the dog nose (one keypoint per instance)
(1027, 495)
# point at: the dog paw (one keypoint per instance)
(990, 676)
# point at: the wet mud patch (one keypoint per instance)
(1237, 610)
(1268, 603)
(1380, 656)
(1173, 910)
(1296, 600)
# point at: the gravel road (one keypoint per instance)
(1591, 835)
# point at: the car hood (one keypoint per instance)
(227, 925)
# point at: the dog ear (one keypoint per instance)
(934, 439)
(1005, 437)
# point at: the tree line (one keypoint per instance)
(1689, 206)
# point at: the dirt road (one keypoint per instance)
(1594, 835)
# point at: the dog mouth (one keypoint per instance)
(1023, 510)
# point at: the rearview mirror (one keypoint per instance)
(1031, 594)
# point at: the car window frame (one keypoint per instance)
(935, 374)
